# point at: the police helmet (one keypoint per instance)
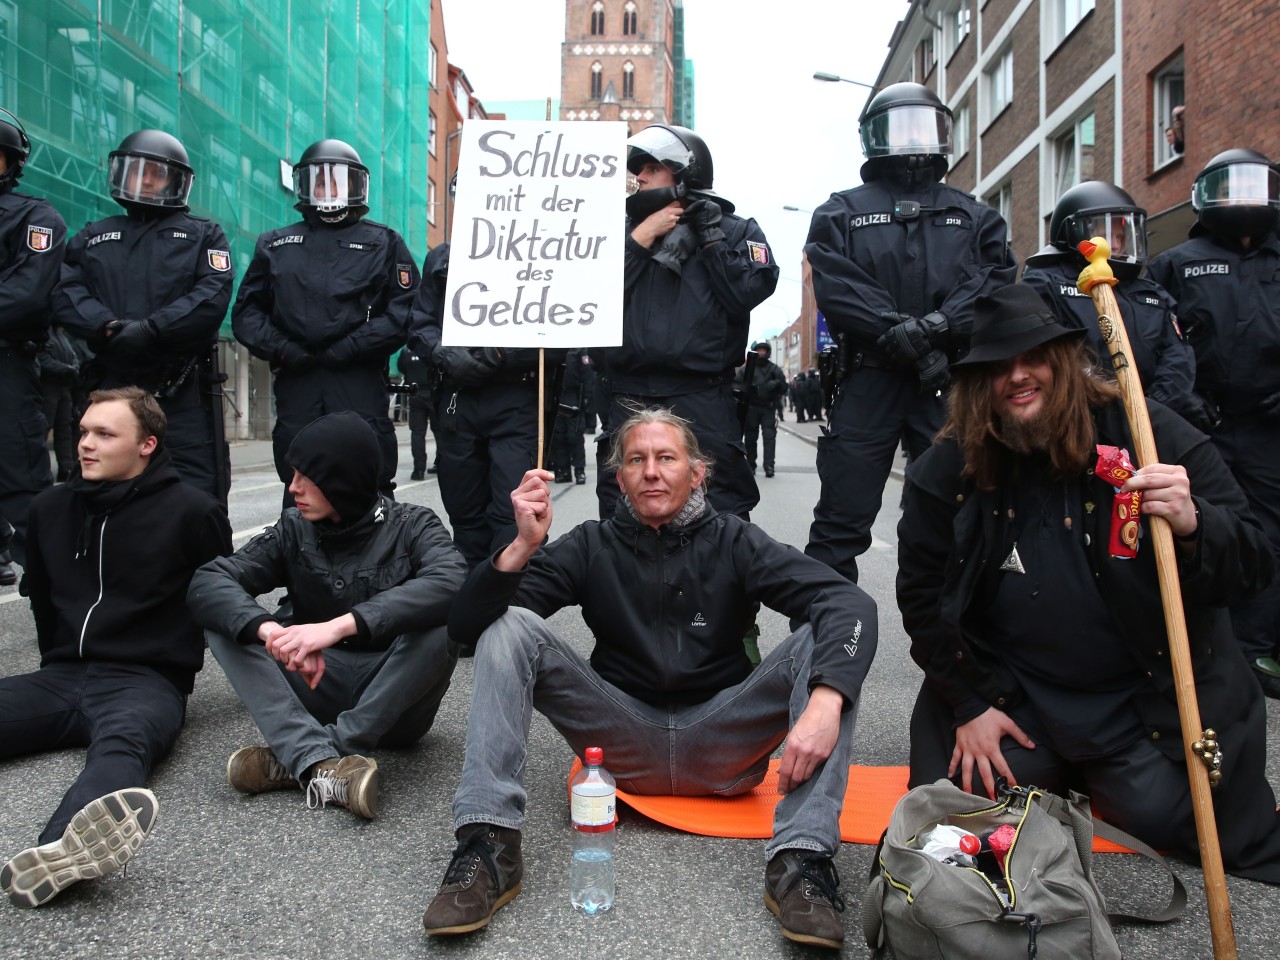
(763, 345)
(16, 147)
(1237, 194)
(1096, 208)
(905, 125)
(150, 168)
(682, 152)
(330, 178)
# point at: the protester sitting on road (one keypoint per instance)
(668, 692)
(361, 659)
(118, 650)
(1045, 657)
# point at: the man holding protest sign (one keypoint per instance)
(693, 273)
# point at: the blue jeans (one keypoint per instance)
(366, 698)
(128, 715)
(718, 747)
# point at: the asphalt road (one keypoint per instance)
(225, 875)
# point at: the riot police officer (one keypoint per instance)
(32, 243)
(768, 384)
(693, 271)
(485, 419)
(418, 373)
(568, 448)
(1165, 362)
(897, 264)
(319, 302)
(148, 292)
(1226, 280)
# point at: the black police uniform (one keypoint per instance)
(1229, 306)
(326, 305)
(172, 270)
(32, 244)
(1165, 362)
(485, 423)
(568, 448)
(878, 251)
(683, 335)
(768, 384)
(418, 371)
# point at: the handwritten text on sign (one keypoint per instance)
(538, 233)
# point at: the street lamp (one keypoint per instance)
(835, 78)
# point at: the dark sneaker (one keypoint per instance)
(562, 476)
(417, 475)
(8, 576)
(580, 477)
(350, 782)
(484, 874)
(800, 890)
(99, 840)
(256, 770)
(768, 472)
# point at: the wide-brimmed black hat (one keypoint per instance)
(1011, 321)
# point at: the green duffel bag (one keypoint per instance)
(1041, 903)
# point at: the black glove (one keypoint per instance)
(1202, 413)
(133, 338)
(1268, 407)
(704, 217)
(934, 370)
(565, 410)
(462, 369)
(939, 329)
(295, 358)
(906, 342)
(339, 354)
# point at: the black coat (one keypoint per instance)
(108, 579)
(395, 570)
(32, 245)
(668, 608)
(945, 538)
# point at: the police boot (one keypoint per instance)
(8, 576)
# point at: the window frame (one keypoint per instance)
(1058, 12)
(628, 81)
(433, 65)
(1073, 133)
(597, 19)
(431, 132)
(1162, 106)
(630, 21)
(597, 80)
(999, 72)
(953, 34)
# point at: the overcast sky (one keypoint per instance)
(778, 136)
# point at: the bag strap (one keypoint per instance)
(1070, 815)
(873, 903)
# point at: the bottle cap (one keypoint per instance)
(594, 756)
(970, 844)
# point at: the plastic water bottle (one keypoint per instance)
(592, 808)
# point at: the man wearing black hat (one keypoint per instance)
(363, 659)
(764, 392)
(1043, 645)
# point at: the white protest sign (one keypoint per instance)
(538, 232)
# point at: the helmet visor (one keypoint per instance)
(657, 143)
(331, 187)
(1237, 185)
(1125, 231)
(905, 130)
(146, 180)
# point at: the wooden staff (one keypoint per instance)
(542, 357)
(1097, 280)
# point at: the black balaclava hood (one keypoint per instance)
(339, 454)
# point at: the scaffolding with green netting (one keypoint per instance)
(246, 85)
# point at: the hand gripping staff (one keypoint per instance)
(1096, 280)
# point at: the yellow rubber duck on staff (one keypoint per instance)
(1096, 251)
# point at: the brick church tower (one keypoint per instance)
(616, 62)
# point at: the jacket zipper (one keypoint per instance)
(102, 539)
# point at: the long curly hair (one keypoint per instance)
(1078, 387)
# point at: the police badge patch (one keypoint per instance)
(404, 275)
(39, 239)
(759, 252)
(220, 260)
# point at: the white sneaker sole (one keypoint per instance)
(100, 839)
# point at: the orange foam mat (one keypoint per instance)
(869, 800)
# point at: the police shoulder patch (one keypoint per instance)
(404, 275)
(39, 239)
(758, 252)
(220, 260)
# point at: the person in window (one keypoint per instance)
(1045, 655)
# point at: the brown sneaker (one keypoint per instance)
(256, 770)
(800, 890)
(350, 782)
(484, 874)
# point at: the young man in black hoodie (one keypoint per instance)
(109, 558)
(363, 659)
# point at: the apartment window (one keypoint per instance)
(629, 20)
(960, 131)
(1066, 14)
(955, 27)
(1000, 84)
(1167, 127)
(597, 80)
(1073, 156)
(628, 81)
(431, 201)
(431, 131)
(928, 59)
(1001, 201)
(597, 19)
(431, 64)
